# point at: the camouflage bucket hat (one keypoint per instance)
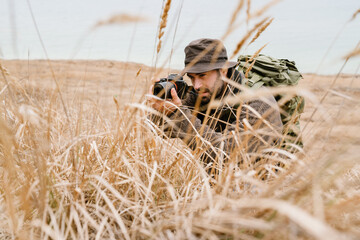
(204, 55)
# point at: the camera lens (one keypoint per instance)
(162, 89)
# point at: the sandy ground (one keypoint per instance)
(334, 127)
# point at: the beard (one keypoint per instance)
(206, 95)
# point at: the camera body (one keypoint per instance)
(163, 87)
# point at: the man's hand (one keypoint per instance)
(167, 106)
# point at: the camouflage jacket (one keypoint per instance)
(249, 126)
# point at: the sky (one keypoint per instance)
(302, 31)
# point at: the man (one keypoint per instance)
(216, 132)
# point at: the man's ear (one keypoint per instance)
(223, 72)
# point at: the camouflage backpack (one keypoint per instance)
(272, 72)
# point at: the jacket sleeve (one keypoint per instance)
(256, 126)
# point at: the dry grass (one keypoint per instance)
(241, 43)
(105, 171)
(163, 23)
(251, 60)
(354, 53)
(261, 30)
(233, 18)
(355, 14)
(118, 178)
(121, 18)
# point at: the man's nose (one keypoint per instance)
(197, 84)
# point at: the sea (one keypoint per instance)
(316, 34)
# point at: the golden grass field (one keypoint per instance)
(96, 168)
(80, 159)
(96, 83)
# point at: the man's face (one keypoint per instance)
(207, 84)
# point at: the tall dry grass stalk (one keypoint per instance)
(355, 14)
(233, 18)
(236, 13)
(353, 53)
(261, 30)
(248, 7)
(122, 18)
(163, 23)
(58, 90)
(251, 59)
(247, 36)
(261, 11)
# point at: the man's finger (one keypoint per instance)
(175, 98)
(174, 94)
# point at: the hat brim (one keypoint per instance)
(205, 67)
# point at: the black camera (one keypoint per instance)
(163, 87)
